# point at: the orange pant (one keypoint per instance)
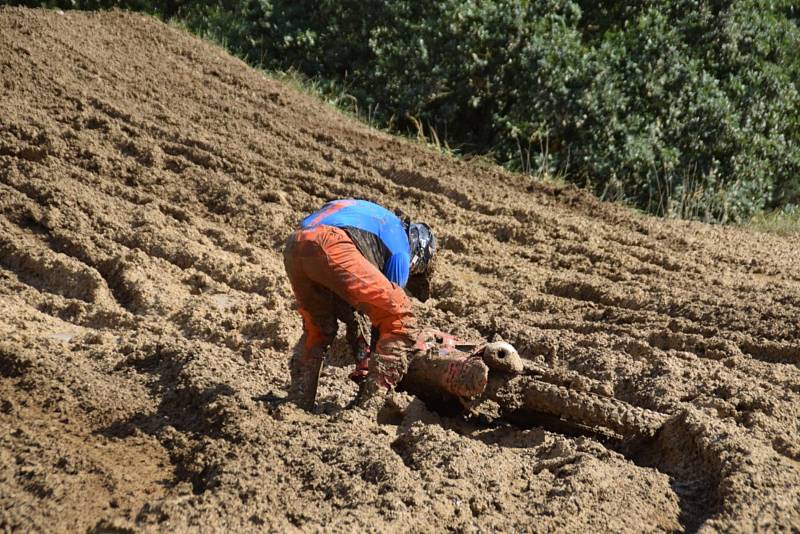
(326, 268)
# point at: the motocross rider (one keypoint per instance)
(354, 254)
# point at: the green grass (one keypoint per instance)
(782, 222)
(338, 98)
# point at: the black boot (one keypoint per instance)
(304, 371)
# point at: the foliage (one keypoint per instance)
(163, 8)
(686, 108)
(785, 221)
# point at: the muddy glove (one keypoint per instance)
(362, 360)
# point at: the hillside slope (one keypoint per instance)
(147, 182)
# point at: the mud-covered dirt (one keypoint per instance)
(147, 182)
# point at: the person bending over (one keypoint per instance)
(354, 255)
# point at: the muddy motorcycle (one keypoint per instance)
(492, 378)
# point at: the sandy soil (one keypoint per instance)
(147, 182)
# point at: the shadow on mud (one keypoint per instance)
(185, 411)
(693, 477)
(190, 409)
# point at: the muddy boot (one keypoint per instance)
(370, 397)
(304, 372)
(386, 367)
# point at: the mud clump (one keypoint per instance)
(147, 183)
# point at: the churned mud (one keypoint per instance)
(147, 182)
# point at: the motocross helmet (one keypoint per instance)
(423, 247)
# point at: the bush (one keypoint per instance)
(685, 108)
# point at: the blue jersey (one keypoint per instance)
(375, 219)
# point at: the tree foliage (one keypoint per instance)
(683, 107)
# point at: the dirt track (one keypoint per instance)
(147, 182)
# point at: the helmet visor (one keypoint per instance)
(423, 247)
